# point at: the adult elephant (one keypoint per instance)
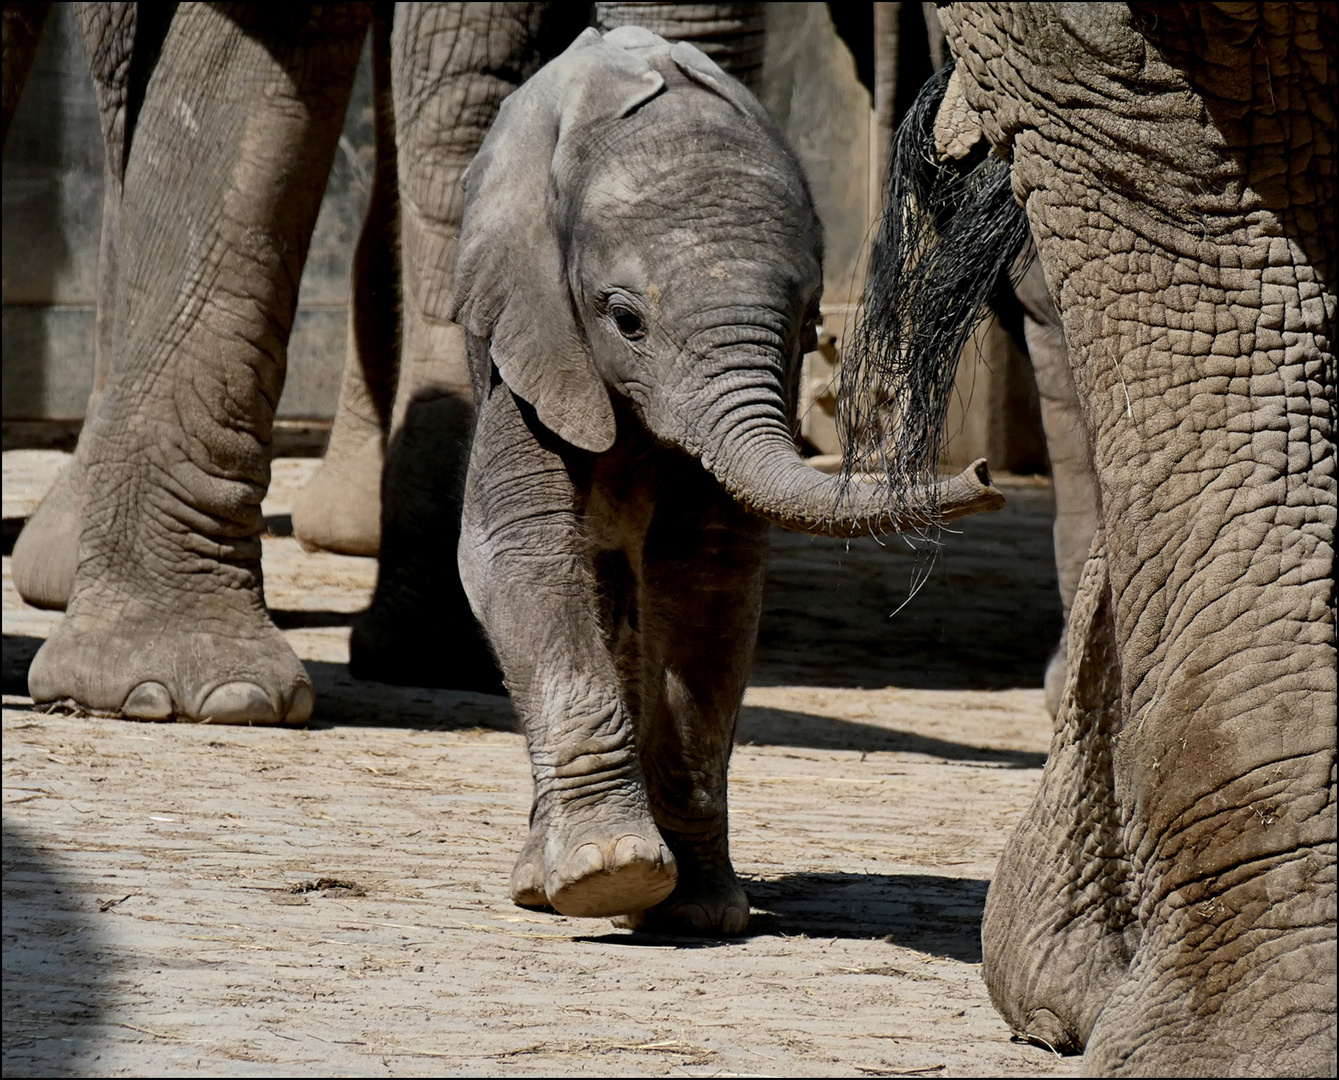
(221, 123)
(1169, 901)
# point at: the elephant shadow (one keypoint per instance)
(18, 656)
(783, 727)
(12, 527)
(342, 699)
(928, 913)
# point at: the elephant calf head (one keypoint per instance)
(636, 226)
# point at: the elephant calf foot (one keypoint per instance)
(707, 901)
(606, 870)
(149, 666)
(46, 553)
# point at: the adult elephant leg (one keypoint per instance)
(451, 67)
(1058, 932)
(1207, 371)
(339, 509)
(121, 43)
(703, 566)
(731, 34)
(1184, 213)
(223, 179)
(1074, 488)
(593, 848)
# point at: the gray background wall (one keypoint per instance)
(52, 217)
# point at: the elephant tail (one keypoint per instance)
(949, 230)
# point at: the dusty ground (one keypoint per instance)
(333, 900)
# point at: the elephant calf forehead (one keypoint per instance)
(728, 175)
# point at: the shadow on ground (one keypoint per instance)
(12, 527)
(934, 915)
(980, 612)
(931, 914)
(342, 699)
(55, 963)
(17, 653)
(783, 727)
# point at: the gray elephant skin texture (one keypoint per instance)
(634, 340)
(1168, 903)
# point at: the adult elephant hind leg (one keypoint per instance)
(1073, 483)
(594, 848)
(222, 185)
(419, 630)
(451, 67)
(1058, 933)
(116, 40)
(339, 508)
(703, 569)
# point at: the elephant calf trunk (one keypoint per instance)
(772, 480)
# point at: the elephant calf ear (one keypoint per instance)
(511, 274)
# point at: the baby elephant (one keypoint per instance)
(639, 271)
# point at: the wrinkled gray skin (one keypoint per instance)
(206, 229)
(634, 342)
(221, 124)
(1169, 902)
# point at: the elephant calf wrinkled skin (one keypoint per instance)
(639, 267)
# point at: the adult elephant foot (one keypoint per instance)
(339, 509)
(1058, 932)
(166, 616)
(419, 629)
(200, 662)
(607, 867)
(1196, 1002)
(46, 553)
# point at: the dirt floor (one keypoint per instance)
(334, 900)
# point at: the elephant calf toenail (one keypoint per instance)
(585, 861)
(631, 849)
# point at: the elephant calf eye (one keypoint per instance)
(629, 323)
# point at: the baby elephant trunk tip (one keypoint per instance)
(970, 492)
(770, 478)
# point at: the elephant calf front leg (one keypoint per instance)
(703, 568)
(594, 848)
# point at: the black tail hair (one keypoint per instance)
(948, 232)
